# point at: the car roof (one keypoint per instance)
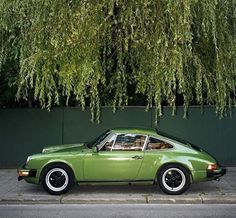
(150, 132)
(147, 131)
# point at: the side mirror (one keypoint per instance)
(95, 149)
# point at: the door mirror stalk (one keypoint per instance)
(95, 149)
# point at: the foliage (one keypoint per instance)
(94, 50)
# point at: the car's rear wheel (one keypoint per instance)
(174, 179)
(57, 179)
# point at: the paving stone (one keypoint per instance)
(12, 191)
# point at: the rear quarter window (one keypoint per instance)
(157, 144)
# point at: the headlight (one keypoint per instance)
(28, 159)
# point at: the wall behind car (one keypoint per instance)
(27, 131)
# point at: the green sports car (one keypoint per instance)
(122, 156)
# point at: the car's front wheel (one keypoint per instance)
(57, 179)
(174, 179)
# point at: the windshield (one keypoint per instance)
(97, 140)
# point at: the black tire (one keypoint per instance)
(173, 179)
(57, 179)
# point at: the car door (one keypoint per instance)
(156, 153)
(119, 158)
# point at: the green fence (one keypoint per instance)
(27, 131)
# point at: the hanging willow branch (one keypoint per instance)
(90, 49)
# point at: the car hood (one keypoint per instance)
(64, 148)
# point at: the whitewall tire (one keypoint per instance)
(57, 179)
(173, 179)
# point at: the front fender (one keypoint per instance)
(39, 162)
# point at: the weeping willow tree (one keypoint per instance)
(94, 50)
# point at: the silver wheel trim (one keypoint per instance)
(48, 179)
(181, 184)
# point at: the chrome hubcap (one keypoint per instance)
(173, 179)
(57, 179)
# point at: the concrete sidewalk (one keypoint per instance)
(212, 192)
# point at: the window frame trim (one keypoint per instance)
(144, 144)
(160, 139)
(106, 139)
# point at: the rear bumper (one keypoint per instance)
(216, 173)
(25, 173)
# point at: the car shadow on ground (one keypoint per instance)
(196, 188)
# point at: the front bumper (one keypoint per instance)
(215, 174)
(25, 173)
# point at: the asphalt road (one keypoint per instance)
(112, 210)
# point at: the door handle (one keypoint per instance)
(136, 157)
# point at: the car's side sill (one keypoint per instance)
(110, 181)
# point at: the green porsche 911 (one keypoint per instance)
(122, 156)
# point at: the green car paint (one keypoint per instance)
(90, 165)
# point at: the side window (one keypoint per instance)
(155, 144)
(129, 142)
(108, 144)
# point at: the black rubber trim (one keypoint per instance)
(32, 173)
(20, 178)
(216, 175)
(128, 181)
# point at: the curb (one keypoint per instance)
(144, 200)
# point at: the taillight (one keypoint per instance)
(212, 167)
